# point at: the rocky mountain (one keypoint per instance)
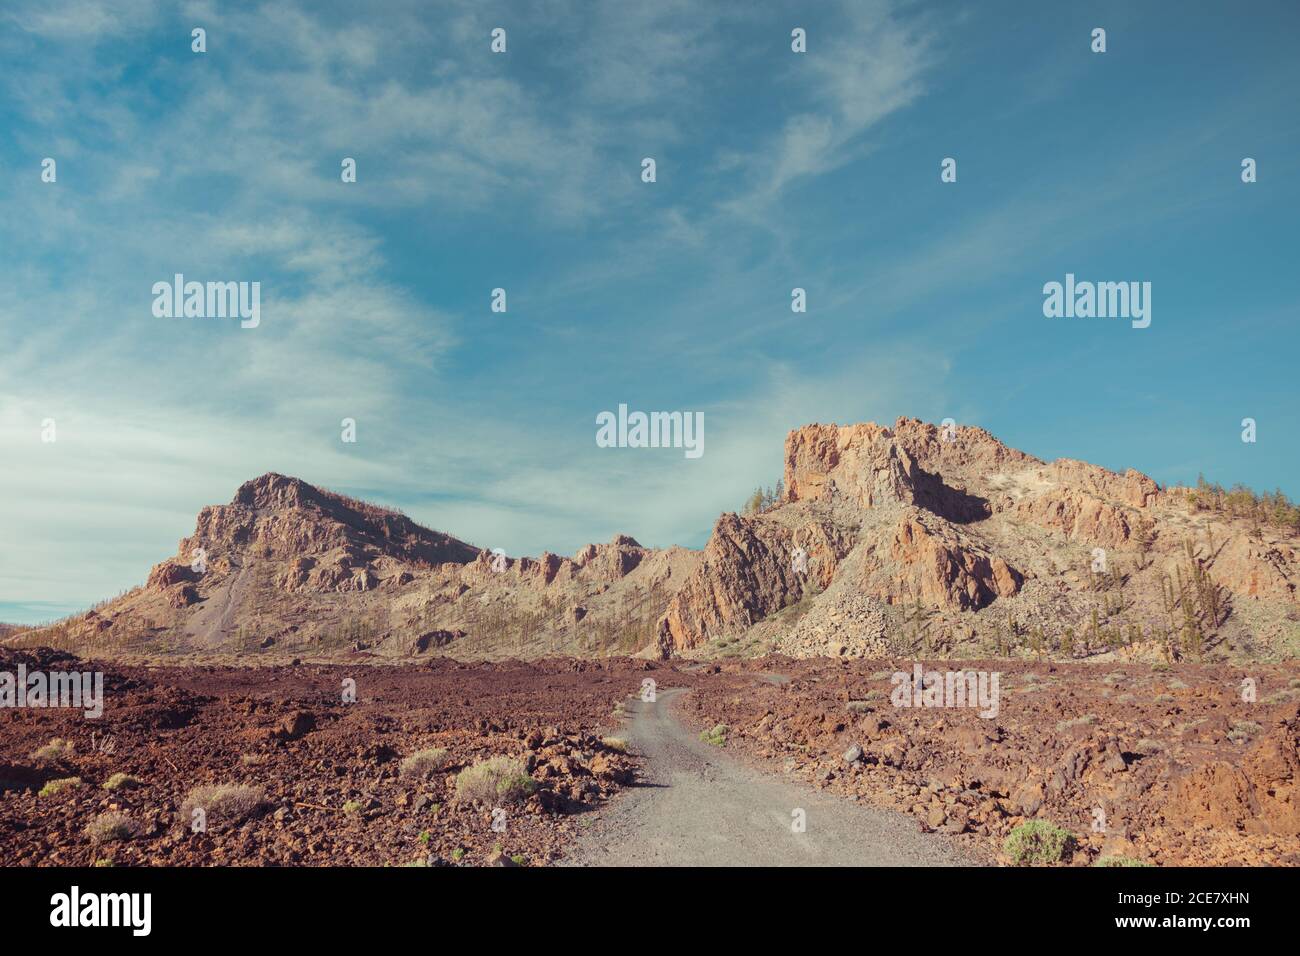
(292, 567)
(907, 539)
(913, 539)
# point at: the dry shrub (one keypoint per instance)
(224, 804)
(497, 780)
(111, 827)
(422, 763)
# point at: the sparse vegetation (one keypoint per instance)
(615, 743)
(422, 763)
(352, 807)
(498, 780)
(54, 787)
(111, 827)
(1259, 508)
(56, 750)
(763, 498)
(1120, 861)
(1086, 720)
(1038, 841)
(717, 735)
(1282, 696)
(121, 781)
(224, 805)
(1243, 730)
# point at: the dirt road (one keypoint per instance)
(697, 806)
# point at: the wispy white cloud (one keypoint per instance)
(232, 173)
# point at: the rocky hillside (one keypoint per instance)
(911, 540)
(887, 541)
(289, 567)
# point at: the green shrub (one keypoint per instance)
(1282, 696)
(716, 736)
(120, 780)
(53, 787)
(1243, 730)
(56, 750)
(498, 780)
(1038, 841)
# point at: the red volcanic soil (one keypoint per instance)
(328, 778)
(1173, 766)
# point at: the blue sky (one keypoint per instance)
(522, 171)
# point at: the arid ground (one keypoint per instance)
(1136, 763)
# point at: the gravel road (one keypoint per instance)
(696, 806)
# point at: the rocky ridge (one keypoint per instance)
(897, 539)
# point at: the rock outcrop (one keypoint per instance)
(923, 531)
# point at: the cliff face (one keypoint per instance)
(917, 535)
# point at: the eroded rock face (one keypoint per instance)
(1258, 570)
(747, 572)
(938, 568)
(1079, 516)
(912, 463)
(953, 520)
